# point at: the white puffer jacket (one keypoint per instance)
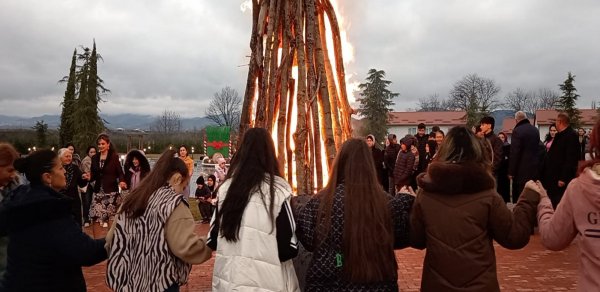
(252, 263)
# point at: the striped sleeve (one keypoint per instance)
(287, 243)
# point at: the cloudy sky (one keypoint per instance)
(176, 54)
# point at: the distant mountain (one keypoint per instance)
(124, 121)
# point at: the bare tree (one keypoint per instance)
(433, 103)
(167, 123)
(475, 95)
(545, 98)
(225, 108)
(474, 91)
(519, 100)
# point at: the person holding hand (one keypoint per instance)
(577, 214)
(108, 177)
(152, 243)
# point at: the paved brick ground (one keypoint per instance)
(530, 269)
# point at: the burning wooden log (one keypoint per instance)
(292, 89)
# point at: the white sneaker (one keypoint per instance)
(86, 224)
(105, 225)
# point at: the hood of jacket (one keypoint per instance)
(455, 178)
(590, 180)
(30, 205)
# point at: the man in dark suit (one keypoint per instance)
(524, 154)
(560, 165)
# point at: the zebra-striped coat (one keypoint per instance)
(140, 259)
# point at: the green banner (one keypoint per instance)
(217, 141)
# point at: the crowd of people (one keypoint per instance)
(445, 193)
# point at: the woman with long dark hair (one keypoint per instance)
(353, 226)
(253, 230)
(46, 247)
(577, 216)
(458, 214)
(136, 167)
(152, 243)
(107, 176)
(550, 137)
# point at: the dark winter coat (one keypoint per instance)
(109, 176)
(47, 248)
(503, 183)
(524, 152)
(72, 190)
(560, 163)
(421, 142)
(404, 168)
(457, 215)
(389, 157)
(583, 146)
(323, 274)
(496, 144)
(378, 160)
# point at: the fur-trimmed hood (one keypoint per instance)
(456, 178)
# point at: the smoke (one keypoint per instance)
(246, 5)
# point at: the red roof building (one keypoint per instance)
(403, 123)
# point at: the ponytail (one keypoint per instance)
(35, 165)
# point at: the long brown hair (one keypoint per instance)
(594, 148)
(167, 165)
(368, 240)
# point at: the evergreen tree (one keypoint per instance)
(88, 123)
(67, 130)
(41, 131)
(567, 100)
(375, 104)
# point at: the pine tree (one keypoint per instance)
(375, 103)
(88, 123)
(568, 99)
(67, 130)
(41, 131)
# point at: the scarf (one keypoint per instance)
(135, 177)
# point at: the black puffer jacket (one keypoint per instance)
(47, 248)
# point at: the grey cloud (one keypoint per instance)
(176, 54)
